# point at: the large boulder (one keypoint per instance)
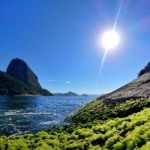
(138, 88)
(21, 71)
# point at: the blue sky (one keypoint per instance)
(59, 41)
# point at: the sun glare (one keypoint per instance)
(110, 39)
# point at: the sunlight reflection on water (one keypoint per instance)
(20, 115)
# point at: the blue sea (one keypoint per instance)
(30, 114)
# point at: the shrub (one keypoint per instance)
(111, 141)
(97, 139)
(75, 145)
(83, 133)
(119, 146)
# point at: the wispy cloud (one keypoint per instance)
(50, 80)
(67, 82)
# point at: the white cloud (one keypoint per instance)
(67, 82)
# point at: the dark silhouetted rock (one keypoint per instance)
(20, 80)
(146, 69)
(21, 71)
(11, 86)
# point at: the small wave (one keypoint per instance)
(50, 122)
(14, 113)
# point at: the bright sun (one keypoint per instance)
(110, 39)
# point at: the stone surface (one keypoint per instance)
(21, 71)
(139, 87)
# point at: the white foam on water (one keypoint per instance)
(18, 113)
(50, 122)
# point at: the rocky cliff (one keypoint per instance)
(128, 99)
(21, 71)
(138, 88)
(20, 79)
(11, 86)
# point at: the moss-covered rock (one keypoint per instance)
(100, 110)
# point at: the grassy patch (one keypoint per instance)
(98, 110)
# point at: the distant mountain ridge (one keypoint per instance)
(91, 95)
(66, 94)
(73, 94)
(20, 80)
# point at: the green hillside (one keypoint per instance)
(126, 133)
(100, 110)
(12, 86)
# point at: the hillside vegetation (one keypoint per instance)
(100, 110)
(119, 120)
(12, 86)
(144, 70)
(128, 133)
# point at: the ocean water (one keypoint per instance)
(30, 114)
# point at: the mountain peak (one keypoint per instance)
(21, 71)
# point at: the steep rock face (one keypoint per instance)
(11, 86)
(21, 71)
(139, 87)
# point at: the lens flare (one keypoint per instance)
(110, 40)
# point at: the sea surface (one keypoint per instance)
(30, 114)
